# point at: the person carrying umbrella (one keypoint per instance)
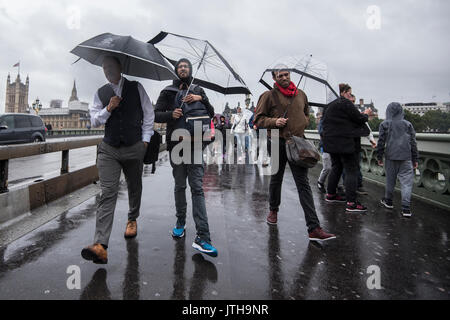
(167, 111)
(286, 98)
(125, 109)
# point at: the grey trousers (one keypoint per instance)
(326, 167)
(194, 174)
(110, 163)
(403, 170)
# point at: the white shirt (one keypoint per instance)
(238, 120)
(99, 114)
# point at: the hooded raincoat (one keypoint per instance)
(397, 137)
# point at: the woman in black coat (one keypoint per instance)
(343, 125)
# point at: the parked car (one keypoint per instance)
(21, 128)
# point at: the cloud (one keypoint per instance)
(405, 60)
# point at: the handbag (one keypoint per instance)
(152, 152)
(302, 152)
(299, 150)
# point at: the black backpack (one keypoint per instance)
(194, 113)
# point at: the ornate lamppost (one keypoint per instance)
(247, 100)
(37, 106)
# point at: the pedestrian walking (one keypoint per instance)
(125, 109)
(343, 126)
(326, 159)
(167, 111)
(223, 126)
(397, 143)
(273, 105)
(239, 128)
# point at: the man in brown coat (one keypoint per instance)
(286, 108)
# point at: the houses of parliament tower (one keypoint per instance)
(16, 99)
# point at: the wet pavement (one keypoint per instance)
(256, 261)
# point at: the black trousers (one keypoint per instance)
(349, 163)
(300, 175)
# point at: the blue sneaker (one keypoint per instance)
(204, 247)
(178, 232)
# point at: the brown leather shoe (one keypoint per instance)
(318, 234)
(96, 253)
(131, 230)
(272, 217)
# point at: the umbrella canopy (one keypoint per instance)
(309, 74)
(210, 69)
(138, 59)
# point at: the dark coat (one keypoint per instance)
(166, 104)
(342, 127)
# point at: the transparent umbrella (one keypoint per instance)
(210, 69)
(309, 74)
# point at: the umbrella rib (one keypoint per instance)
(193, 48)
(186, 53)
(215, 65)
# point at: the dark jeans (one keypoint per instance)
(194, 174)
(349, 163)
(360, 178)
(300, 175)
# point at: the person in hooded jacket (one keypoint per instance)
(167, 111)
(397, 143)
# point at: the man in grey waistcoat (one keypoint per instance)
(125, 109)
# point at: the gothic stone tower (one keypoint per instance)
(16, 99)
(74, 96)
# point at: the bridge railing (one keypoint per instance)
(44, 191)
(38, 193)
(432, 178)
(74, 132)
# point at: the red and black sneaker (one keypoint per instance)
(318, 234)
(355, 207)
(272, 218)
(334, 198)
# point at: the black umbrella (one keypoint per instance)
(137, 58)
(211, 69)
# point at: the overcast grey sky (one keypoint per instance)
(402, 56)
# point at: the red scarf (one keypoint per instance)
(290, 91)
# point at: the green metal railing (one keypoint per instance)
(74, 132)
(432, 178)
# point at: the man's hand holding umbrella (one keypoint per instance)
(113, 103)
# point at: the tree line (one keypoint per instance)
(435, 121)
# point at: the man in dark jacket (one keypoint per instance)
(343, 125)
(222, 127)
(167, 111)
(271, 114)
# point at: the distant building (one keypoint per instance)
(421, 108)
(16, 98)
(368, 109)
(227, 111)
(57, 103)
(74, 116)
